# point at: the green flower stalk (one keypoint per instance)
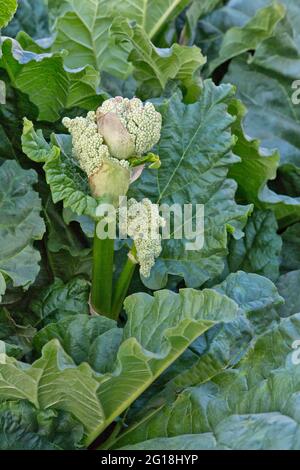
(108, 145)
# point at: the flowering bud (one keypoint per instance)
(103, 143)
(118, 140)
(111, 180)
(128, 127)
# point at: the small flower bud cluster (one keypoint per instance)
(143, 224)
(142, 122)
(88, 145)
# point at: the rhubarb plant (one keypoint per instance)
(149, 225)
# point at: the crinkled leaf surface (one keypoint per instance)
(68, 250)
(7, 10)
(153, 67)
(195, 151)
(21, 224)
(222, 346)
(31, 17)
(152, 339)
(230, 15)
(290, 256)
(84, 31)
(68, 183)
(265, 81)
(196, 10)
(272, 104)
(151, 15)
(60, 300)
(288, 286)
(53, 381)
(250, 407)
(256, 166)
(93, 340)
(241, 39)
(17, 338)
(49, 85)
(258, 251)
(62, 236)
(25, 428)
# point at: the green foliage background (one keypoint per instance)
(203, 355)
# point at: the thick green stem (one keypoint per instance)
(103, 262)
(123, 283)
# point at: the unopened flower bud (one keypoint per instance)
(128, 127)
(118, 140)
(110, 180)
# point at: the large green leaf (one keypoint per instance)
(257, 165)
(7, 10)
(286, 208)
(21, 224)
(238, 40)
(259, 250)
(153, 67)
(17, 338)
(151, 15)
(288, 285)
(60, 300)
(31, 17)
(94, 340)
(269, 81)
(251, 407)
(66, 266)
(158, 330)
(54, 382)
(68, 250)
(195, 151)
(290, 256)
(221, 347)
(268, 76)
(25, 428)
(49, 85)
(212, 28)
(196, 10)
(84, 31)
(67, 181)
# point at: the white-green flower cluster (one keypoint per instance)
(103, 141)
(142, 122)
(88, 145)
(143, 224)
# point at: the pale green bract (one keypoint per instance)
(142, 122)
